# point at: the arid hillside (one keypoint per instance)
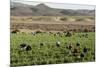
(20, 9)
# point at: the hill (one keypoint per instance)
(20, 9)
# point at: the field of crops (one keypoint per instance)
(80, 47)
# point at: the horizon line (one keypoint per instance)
(67, 4)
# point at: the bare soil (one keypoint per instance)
(32, 25)
(54, 26)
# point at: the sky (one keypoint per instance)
(59, 5)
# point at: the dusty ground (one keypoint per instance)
(53, 23)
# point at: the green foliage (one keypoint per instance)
(49, 53)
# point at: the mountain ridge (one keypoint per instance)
(20, 9)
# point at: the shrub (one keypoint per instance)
(63, 18)
(68, 34)
(38, 31)
(79, 19)
(15, 31)
(85, 30)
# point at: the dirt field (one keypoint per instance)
(54, 23)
